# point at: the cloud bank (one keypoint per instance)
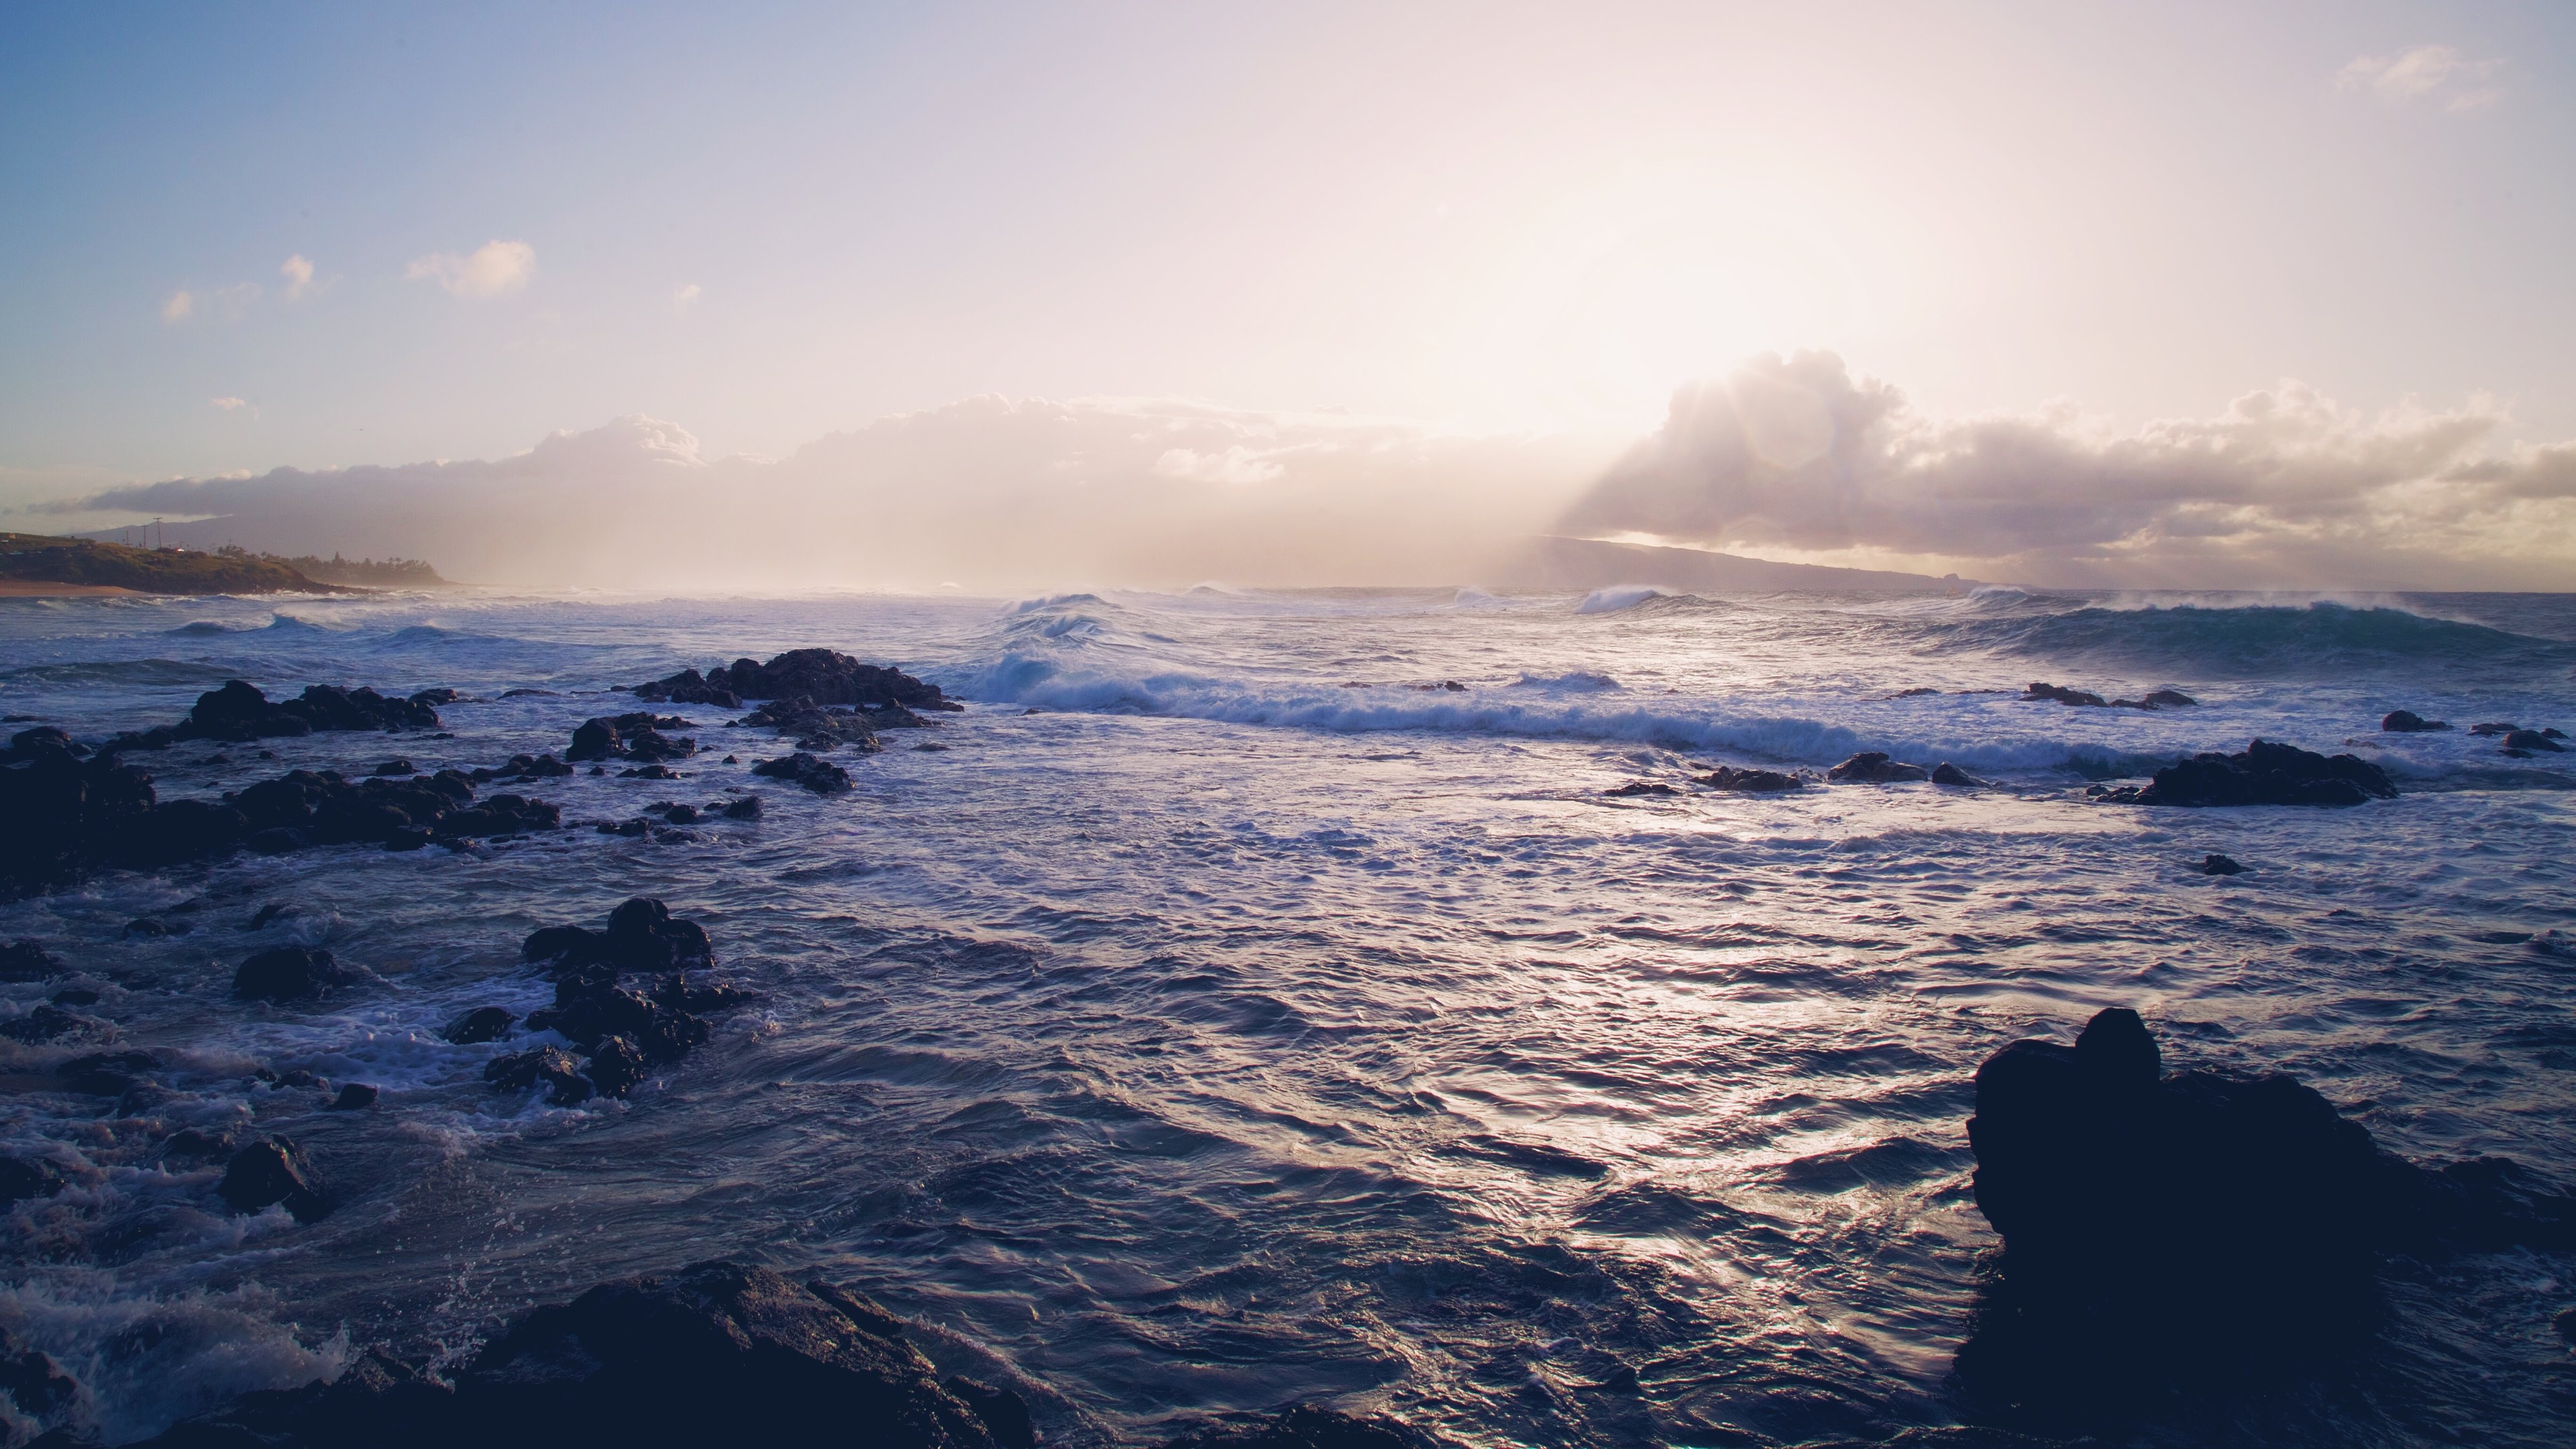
(989, 494)
(2437, 73)
(1793, 457)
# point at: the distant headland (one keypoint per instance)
(34, 563)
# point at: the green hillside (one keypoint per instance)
(42, 558)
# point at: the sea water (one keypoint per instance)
(1224, 1011)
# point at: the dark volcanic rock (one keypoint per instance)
(1871, 767)
(47, 1023)
(22, 1178)
(2158, 699)
(1642, 787)
(1946, 773)
(620, 1028)
(719, 1353)
(289, 973)
(177, 831)
(616, 1065)
(2157, 1226)
(820, 776)
(746, 808)
(2532, 740)
(238, 711)
(1306, 1427)
(2493, 727)
(274, 1170)
(636, 736)
(2407, 722)
(716, 1354)
(553, 1067)
(33, 1381)
(25, 961)
(356, 1096)
(821, 675)
(818, 728)
(2219, 865)
(2265, 774)
(482, 1024)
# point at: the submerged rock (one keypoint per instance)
(718, 1353)
(2219, 865)
(1306, 1427)
(2197, 1223)
(2533, 740)
(2158, 699)
(634, 736)
(1946, 773)
(1642, 787)
(288, 973)
(482, 1024)
(273, 1170)
(22, 1178)
(26, 961)
(2265, 774)
(1728, 777)
(820, 776)
(1872, 767)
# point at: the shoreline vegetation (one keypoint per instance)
(35, 564)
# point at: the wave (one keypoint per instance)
(1612, 600)
(1551, 711)
(1577, 682)
(2256, 640)
(1052, 601)
(122, 671)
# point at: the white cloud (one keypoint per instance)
(1796, 457)
(685, 297)
(2426, 72)
(228, 404)
(179, 308)
(1237, 464)
(495, 269)
(298, 272)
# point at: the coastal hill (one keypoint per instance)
(31, 560)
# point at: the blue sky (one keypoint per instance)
(1483, 218)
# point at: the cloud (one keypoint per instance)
(179, 308)
(2426, 72)
(991, 493)
(298, 272)
(685, 297)
(1795, 458)
(228, 404)
(495, 269)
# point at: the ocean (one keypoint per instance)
(1223, 1011)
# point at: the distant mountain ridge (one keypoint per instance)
(1584, 563)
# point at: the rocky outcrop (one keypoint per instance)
(65, 813)
(2219, 865)
(2158, 699)
(620, 1029)
(1641, 787)
(2265, 774)
(323, 808)
(1874, 768)
(821, 675)
(2198, 1222)
(1946, 773)
(482, 1024)
(239, 711)
(820, 776)
(2524, 743)
(637, 736)
(717, 1353)
(1728, 777)
(2408, 722)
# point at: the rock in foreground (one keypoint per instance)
(1874, 768)
(2197, 1224)
(718, 1353)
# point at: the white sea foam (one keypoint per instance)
(1612, 600)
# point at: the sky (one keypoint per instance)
(314, 238)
